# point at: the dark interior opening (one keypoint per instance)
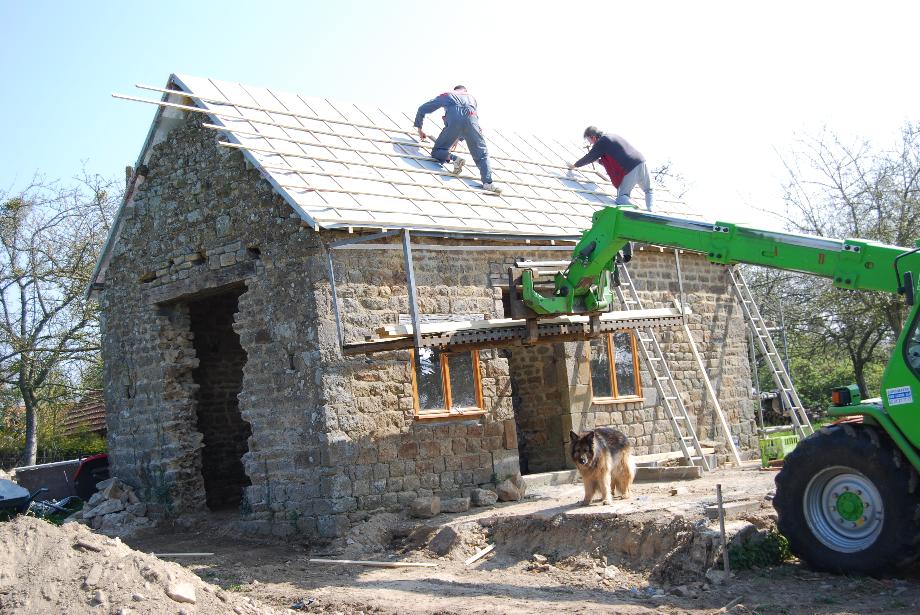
(537, 396)
(220, 378)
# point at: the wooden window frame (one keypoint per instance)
(611, 362)
(447, 412)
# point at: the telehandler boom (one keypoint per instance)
(848, 496)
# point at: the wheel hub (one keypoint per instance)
(843, 509)
(850, 506)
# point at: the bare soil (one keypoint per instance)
(645, 555)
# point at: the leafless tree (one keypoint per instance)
(50, 236)
(841, 190)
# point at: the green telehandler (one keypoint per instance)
(848, 496)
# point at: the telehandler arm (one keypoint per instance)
(583, 287)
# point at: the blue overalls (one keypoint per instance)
(461, 121)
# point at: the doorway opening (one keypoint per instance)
(219, 377)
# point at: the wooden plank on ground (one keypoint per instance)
(732, 509)
(669, 473)
(656, 457)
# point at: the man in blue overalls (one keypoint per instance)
(461, 121)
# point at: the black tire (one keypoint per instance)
(854, 469)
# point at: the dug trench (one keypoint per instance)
(549, 553)
(656, 552)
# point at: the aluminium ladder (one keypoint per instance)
(788, 396)
(661, 375)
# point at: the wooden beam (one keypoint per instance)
(656, 457)
(669, 473)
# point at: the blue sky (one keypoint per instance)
(720, 89)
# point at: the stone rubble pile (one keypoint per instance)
(114, 510)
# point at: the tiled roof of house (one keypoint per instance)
(88, 414)
(343, 166)
(340, 165)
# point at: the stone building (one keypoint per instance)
(225, 380)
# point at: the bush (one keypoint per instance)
(52, 448)
(772, 550)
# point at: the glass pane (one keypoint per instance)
(626, 370)
(912, 352)
(462, 381)
(600, 368)
(428, 378)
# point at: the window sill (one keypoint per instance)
(436, 415)
(606, 401)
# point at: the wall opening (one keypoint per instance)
(538, 399)
(219, 376)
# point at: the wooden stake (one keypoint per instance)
(722, 531)
(370, 563)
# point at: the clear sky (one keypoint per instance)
(720, 89)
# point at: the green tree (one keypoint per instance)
(50, 237)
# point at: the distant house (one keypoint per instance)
(87, 415)
(225, 381)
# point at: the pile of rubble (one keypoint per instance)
(49, 569)
(114, 510)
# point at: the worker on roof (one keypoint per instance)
(461, 121)
(624, 164)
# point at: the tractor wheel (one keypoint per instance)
(848, 501)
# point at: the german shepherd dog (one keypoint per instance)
(603, 457)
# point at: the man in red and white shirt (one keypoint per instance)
(624, 164)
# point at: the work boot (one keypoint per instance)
(458, 165)
(491, 187)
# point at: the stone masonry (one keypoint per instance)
(210, 262)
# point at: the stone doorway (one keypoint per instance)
(219, 377)
(540, 401)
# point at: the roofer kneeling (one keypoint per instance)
(461, 121)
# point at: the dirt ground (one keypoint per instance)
(645, 555)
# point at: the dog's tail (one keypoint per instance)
(631, 464)
(625, 469)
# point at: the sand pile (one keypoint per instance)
(49, 569)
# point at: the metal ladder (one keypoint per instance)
(788, 395)
(661, 376)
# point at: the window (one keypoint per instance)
(614, 372)
(446, 384)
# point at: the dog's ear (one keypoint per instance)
(574, 436)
